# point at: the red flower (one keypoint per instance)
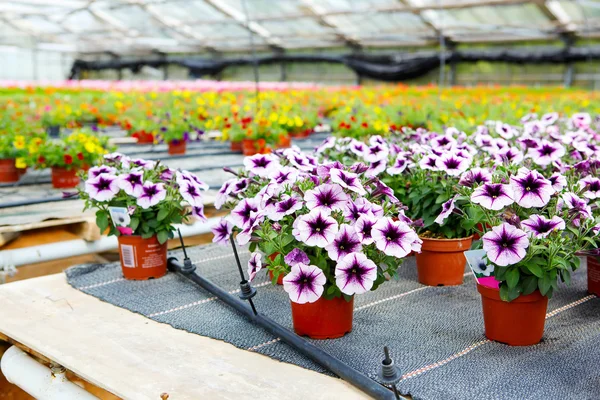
(41, 159)
(68, 159)
(353, 118)
(80, 156)
(364, 125)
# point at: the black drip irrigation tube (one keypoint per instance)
(326, 360)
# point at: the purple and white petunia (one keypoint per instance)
(363, 227)
(198, 212)
(251, 225)
(505, 244)
(452, 164)
(316, 228)
(578, 207)
(509, 155)
(540, 226)
(132, 183)
(591, 185)
(223, 193)
(103, 187)
(254, 265)
(398, 166)
(429, 162)
(241, 214)
(447, 209)
(505, 130)
(295, 257)
(493, 196)
(183, 177)
(326, 198)
(375, 153)
(558, 181)
(549, 119)
(103, 169)
(394, 238)
(531, 189)
(151, 195)
(345, 242)
(304, 283)
(191, 193)
(355, 274)
(475, 177)
(287, 206)
(284, 175)
(261, 164)
(348, 180)
(546, 153)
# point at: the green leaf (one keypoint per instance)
(153, 223)
(544, 284)
(530, 284)
(512, 277)
(102, 220)
(535, 269)
(565, 276)
(135, 222)
(147, 235)
(162, 214)
(162, 236)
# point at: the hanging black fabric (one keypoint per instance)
(385, 67)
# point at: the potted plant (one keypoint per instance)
(68, 155)
(175, 132)
(335, 233)
(13, 156)
(534, 233)
(140, 201)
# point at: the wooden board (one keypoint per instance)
(137, 358)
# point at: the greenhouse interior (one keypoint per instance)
(299, 199)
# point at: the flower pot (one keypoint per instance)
(271, 274)
(142, 259)
(516, 323)
(593, 275)
(8, 171)
(143, 137)
(301, 134)
(442, 262)
(285, 142)
(236, 146)
(177, 147)
(251, 147)
(323, 319)
(63, 178)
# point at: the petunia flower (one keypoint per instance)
(248, 229)
(261, 164)
(198, 212)
(505, 244)
(254, 265)
(186, 176)
(295, 257)
(355, 274)
(376, 168)
(240, 215)
(284, 175)
(223, 193)
(151, 195)
(452, 164)
(326, 198)
(581, 120)
(429, 162)
(546, 153)
(146, 164)
(549, 119)
(104, 187)
(493, 196)
(345, 242)
(505, 130)
(304, 283)
(578, 207)
(222, 232)
(287, 206)
(383, 190)
(447, 209)
(558, 181)
(316, 228)
(475, 177)
(240, 186)
(103, 169)
(540, 226)
(348, 180)
(363, 227)
(509, 155)
(394, 238)
(398, 166)
(191, 193)
(592, 187)
(375, 153)
(531, 189)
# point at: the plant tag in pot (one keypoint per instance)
(483, 271)
(121, 220)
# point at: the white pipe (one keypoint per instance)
(71, 248)
(38, 380)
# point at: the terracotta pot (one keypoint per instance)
(593, 275)
(251, 147)
(285, 142)
(177, 147)
(63, 178)
(323, 319)
(516, 323)
(236, 146)
(271, 274)
(143, 137)
(8, 171)
(301, 134)
(142, 259)
(442, 262)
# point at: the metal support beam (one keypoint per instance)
(320, 14)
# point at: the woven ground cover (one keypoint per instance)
(435, 333)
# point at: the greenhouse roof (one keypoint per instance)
(123, 27)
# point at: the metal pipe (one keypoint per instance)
(304, 347)
(71, 248)
(39, 381)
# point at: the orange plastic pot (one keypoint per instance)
(8, 171)
(142, 259)
(143, 137)
(442, 262)
(593, 275)
(271, 274)
(63, 178)
(236, 146)
(285, 142)
(251, 147)
(516, 323)
(177, 147)
(323, 319)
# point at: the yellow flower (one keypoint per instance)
(298, 121)
(20, 163)
(90, 147)
(19, 142)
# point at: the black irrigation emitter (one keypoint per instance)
(300, 344)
